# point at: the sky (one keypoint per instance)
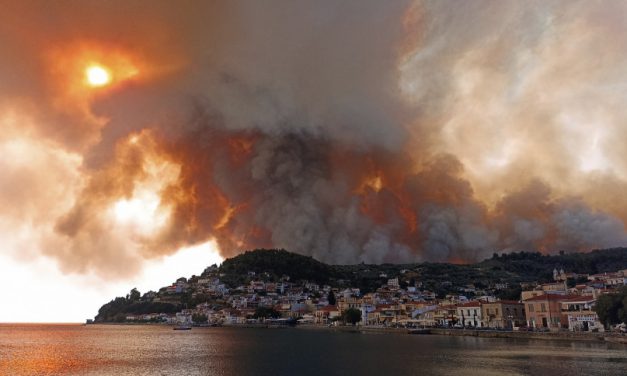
(144, 142)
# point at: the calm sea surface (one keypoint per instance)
(157, 350)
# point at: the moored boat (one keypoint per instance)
(182, 327)
(419, 331)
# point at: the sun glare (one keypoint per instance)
(141, 211)
(97, 75)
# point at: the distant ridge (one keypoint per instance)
(511, 267)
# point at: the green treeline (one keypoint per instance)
(537, 264)
(117, 309)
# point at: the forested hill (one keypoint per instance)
(537, 265)
(511, 268)
(279, 265)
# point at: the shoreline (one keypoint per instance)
(551, 336)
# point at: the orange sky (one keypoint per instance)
(360, 131)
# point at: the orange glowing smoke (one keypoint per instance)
(77, 67)
(80, 72)
(324, 162)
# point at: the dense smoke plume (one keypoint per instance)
(352, 131)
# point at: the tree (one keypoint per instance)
(606, 309)
(120, 317)
(266, 312)
(199, 318)
(510, 293)
(134, 295)
(622, 313)
(352, 316)
(331, 298)
(611, 308)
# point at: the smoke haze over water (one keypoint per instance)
(350, 131)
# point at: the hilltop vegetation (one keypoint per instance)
(117, 309)
(275, 263)
(597, 261)
(511, 268)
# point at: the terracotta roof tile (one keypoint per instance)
(551, 297)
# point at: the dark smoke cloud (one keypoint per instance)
(350, 131)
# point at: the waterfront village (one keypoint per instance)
(554, 306)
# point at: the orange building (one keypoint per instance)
(545, 311)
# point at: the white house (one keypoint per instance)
(581, 315)
(469, 314)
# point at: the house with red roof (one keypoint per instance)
(545, 311)
(324, 315)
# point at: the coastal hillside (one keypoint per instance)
(501, 275)
(275, 263)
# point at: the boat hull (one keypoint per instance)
(419, 331)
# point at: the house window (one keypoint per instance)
(542, 307)
(531, 308)
(497, 311)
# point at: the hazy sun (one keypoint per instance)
(97, 75)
